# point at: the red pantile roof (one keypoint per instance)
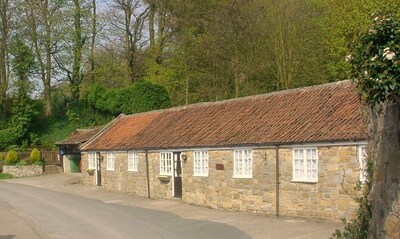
(80, 136)
(120, 135)
(324, 113)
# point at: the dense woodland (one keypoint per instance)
(66, 64)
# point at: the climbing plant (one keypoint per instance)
(375, 60)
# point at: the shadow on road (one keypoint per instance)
(7, 236)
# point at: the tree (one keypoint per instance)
(43, 19)
(22, 109)
(127, 19)
(341, 23)
(5, 16)
(70, 57)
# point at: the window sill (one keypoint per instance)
(132, 170)
(239, 177)
(110, 170)
(311, 181)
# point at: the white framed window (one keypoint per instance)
(166, 163)
(133, 161)
(92, 160)
(110, 161)
(362, 160)
(200, 163)
(243, 163)
(305, 165)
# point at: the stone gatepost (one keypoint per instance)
(384, 147)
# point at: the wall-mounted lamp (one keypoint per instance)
(184, 157)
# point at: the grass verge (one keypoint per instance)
(5, 176)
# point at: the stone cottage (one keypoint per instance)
(293, 153)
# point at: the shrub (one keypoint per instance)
(35, 155)
(11, 158)
(1, 161)
(23, 162)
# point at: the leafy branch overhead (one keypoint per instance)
(376, 60)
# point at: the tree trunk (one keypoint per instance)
(93, 43)
(384, 147)
(151, 23)
(4, 60)
(76, 78)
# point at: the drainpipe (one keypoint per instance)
(147, 174)
(277, 180)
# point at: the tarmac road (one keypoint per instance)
(60, 215)
(59, 206)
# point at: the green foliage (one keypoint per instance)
(11, 158)
(39, 163)
(139, 97)
(5, 176)
(1, 164)
(375, 60)
(358, 227)
(8, 137)
(35, 155)
(24, 162)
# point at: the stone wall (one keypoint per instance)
(338, 172)
(330, 197)
(23, 171)
(338, 167)
(384, 148)
(88, 179)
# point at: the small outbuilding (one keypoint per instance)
(70, 154)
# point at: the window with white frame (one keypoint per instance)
(200, 163)
(243, 163)
(305, 165)
(111, 161)
(166, 163)
(92, 160)
(362, 160)
(133, 161)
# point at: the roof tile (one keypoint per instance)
(324, 113)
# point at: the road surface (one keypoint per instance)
(31, 212)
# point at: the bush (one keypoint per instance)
(23, 162)
(11, 158)
(140, 97)
(1, 161)
(35, 155)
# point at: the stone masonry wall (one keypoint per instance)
(384, 149)
(338, 168)
(325, 199)
(23, 171)
(86, 177)
(221, 190)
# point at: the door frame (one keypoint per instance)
(177, 156)
(98, 169)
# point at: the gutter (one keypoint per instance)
(277, 181)
(147, 173)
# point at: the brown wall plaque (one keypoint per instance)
(219, 166)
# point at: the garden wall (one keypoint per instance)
(23, 171)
